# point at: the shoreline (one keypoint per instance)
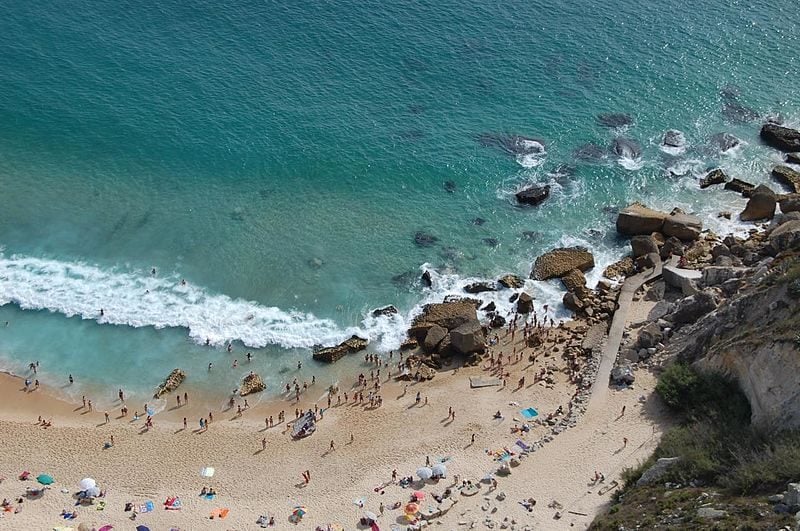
(382, 441)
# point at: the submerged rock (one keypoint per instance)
(332, 354)
(614, 120)
(781, 138)
(738, 113)
(512, 144)
(674, 138)
(480, 287)
(175, 378)
(511, 281)
(590, 152)
(252, 383)
(450, 186)
(739, 186)
(626, 148)
(724, 142)
(423, 239)
(387, 310)
(559, 262)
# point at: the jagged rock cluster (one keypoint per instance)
(252, 383)
(332, 354)
(175, 378)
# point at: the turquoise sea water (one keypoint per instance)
(280, 158)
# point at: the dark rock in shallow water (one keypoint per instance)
(511, 281)
(423, 239)
(533, 195)
(404, 279)
(781, 138)
(730, 92)
(788, 177)
(626, 148)
(735, 112)
(614, 119)
(426, 279)
(480, 287)
(716, 176)
(723, 142)
(524, 303)
(531, 235)
(450, 186)
(674, 138)
(739, 186)
(761, 205)
(489, 307)
(590, 152)
(387, 310)
(332, 354)
(491, 242)
(793, 158)
(478, 221)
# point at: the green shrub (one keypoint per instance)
(700, 395)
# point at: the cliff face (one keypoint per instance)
(753, 335)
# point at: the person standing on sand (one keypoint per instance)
(263, 444)
(210, 417)
(90, 405)
(179, 400)
(184, 423)
(186, 398)
(333, 447)
(107, 418)
(624, 442)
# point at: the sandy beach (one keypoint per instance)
(165, 461)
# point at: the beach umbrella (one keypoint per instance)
(369, 515)
(411, 508)
(424, 473)
(418, 495)
(45, 479)
(142, 528)
(87, 483)
(439, 470)
(207, 471)
(94, 491)
(299, 511)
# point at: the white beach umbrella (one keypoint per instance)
(207, 471)
(87, 483)
(369, 515)
(94, 491)
(424, 473)
(439, 470)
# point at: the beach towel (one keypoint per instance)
(100, 506)
(523, 445)
(209, 496)
(219, 513)
(174, 504)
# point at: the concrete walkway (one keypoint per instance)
(614, 338)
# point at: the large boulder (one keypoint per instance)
(682, 226)
(781, 138)
(638, 219)
(656, 471)
(789, 203)
(468, 338)
(524, 303)
(511, 281)
(252, 383)
(674, 138)
(559, 262)
(332, 354)
(434, 336)
(622, 375)
(785, 237)
(787, 177)
(387, 310)
(642, 245)
(713, 177)
(533, 195)
(793, 158)
(673, 246)
(175, 378)
(650, 336)
(761, 204)
(572, 302)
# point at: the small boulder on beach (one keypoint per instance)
(175, 379)
(252, 383)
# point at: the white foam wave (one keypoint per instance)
(631, 164)
(139, 300)
(533, 154)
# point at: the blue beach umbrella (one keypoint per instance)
(45, 479)
(142, 528)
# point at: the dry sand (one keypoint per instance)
(166, 460)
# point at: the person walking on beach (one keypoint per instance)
(184, 423)
(71, 379)
(624, 442)
(186, 398)
(107, 418)
(179, 400)
(333, 446)
(90, 405)
(263, 444)
(121, 396)
(622, 414)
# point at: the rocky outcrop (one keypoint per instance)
(740, 187)
(761, 204)
(657, 471)
(559, 262)
(252, 383)
(787, 177)
(533, 195)
(574, 281)
(785, 237)
(674, 138)
(693, 307)
(175, 379)
(449, 327)
(781, 138)
(332, 354)
(713, 177)
(511, 281)
(793, 158)
(682, 226)
(620, 269)
(638, 219)
(448, 315)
